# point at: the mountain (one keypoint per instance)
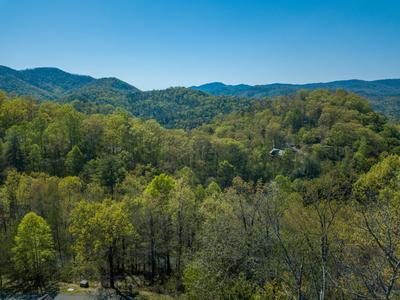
(219, 88)
(101, 91)
(177, 107)
(40, 83)
(184, 108)
(53, 80)
(377, 88)
(384, 95)
(12, 83)
(173, 108)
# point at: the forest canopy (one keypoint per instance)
(295, 198)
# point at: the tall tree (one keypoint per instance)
(156, 198)
(34, 254)
(110, 172)
(99, 231)
(74, 161)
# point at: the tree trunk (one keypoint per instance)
(179, 253)
(152, 250)
(111, 266)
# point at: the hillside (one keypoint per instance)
(176, 107)
(12, 83)
(173, 107)
(112, 198)
(40, 83)
(384, 95)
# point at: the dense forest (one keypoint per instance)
(177, 107)
(384, 94)
(173, 107)
(292, 198)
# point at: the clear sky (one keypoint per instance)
(160, 43)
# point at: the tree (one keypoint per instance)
(56, 146)
(14, 150)
(111, 171)
(34, 254)
(156, 198)
(377, 230)
(74, 161)
(35, 159)
(226, 172)
(9, 201)
(306, 224)
(235, 250)
(183, 211)
(99, 231)
(70, 191)
(70, 120)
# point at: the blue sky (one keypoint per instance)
(160, 43)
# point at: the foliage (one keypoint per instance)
(34, 253)
(98, 230)
(382, 94)
(210, 212)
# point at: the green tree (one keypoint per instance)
(35, 159)
(99, 231)
(377, 226)
(182, 208)
(14, 150)
(74, 161)
(156, 198)
(110, 172)
(34, 253)
(226, 172)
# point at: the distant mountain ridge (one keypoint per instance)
(384, 94)
(383, 87)
(177, 107)
(53, 83)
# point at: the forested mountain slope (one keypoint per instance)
(40, 83)
(384, 95)
(173, 107)
(209, 212)
(176, 107)
(377, 88)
